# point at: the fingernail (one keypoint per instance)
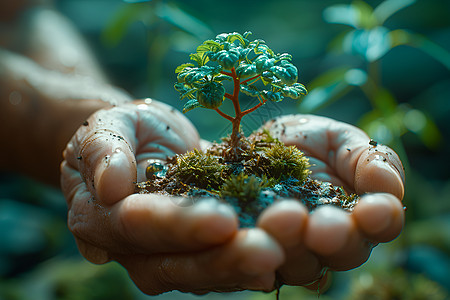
(217, 221)
(263, 253)
(113, 177)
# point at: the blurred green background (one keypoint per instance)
(381, 65)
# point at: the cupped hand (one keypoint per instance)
(329, 237)
(165, 243)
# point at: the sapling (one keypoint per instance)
(247, 172)
(252, 67)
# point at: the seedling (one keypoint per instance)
(252, 67)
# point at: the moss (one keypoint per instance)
(246, 193)
(241, 186)
(199, 169)
(286, 161)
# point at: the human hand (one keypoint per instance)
(329, 237)
(165, 243)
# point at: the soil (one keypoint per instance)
(242, 178)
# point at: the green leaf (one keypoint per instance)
(272, 96)
(181, 67)
(211, 95)
(181, 87)
(286, 72)
(295, 91)
(232, 37)
(200, 58)
(221, 77)
(228, 59)
(188, 94)
(260, 47)
(190, 105)
(250, 90)
(284, 56)
(264, 63)
(201, 74)
(246, 71)
(209, 45)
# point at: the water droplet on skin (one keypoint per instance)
(155, 169)
(148, 100)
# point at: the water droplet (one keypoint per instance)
(148, 100)
(155, 169)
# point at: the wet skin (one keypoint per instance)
(166, 243)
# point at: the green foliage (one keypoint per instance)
(167, 26)
(285, 162)
(249, 61)
(368, 38)
(199, 169)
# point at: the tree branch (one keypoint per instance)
(229, 118)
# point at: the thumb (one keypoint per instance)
(379, 169)
(115, 174)
(103, 152)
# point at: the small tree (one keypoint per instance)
(232, 57)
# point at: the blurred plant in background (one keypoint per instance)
(166, 27)
(368, 41)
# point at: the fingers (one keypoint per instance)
(248, 261)
(379, 216)
(329, 236)
(156, 224)
(286, 222)
(379, 169)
